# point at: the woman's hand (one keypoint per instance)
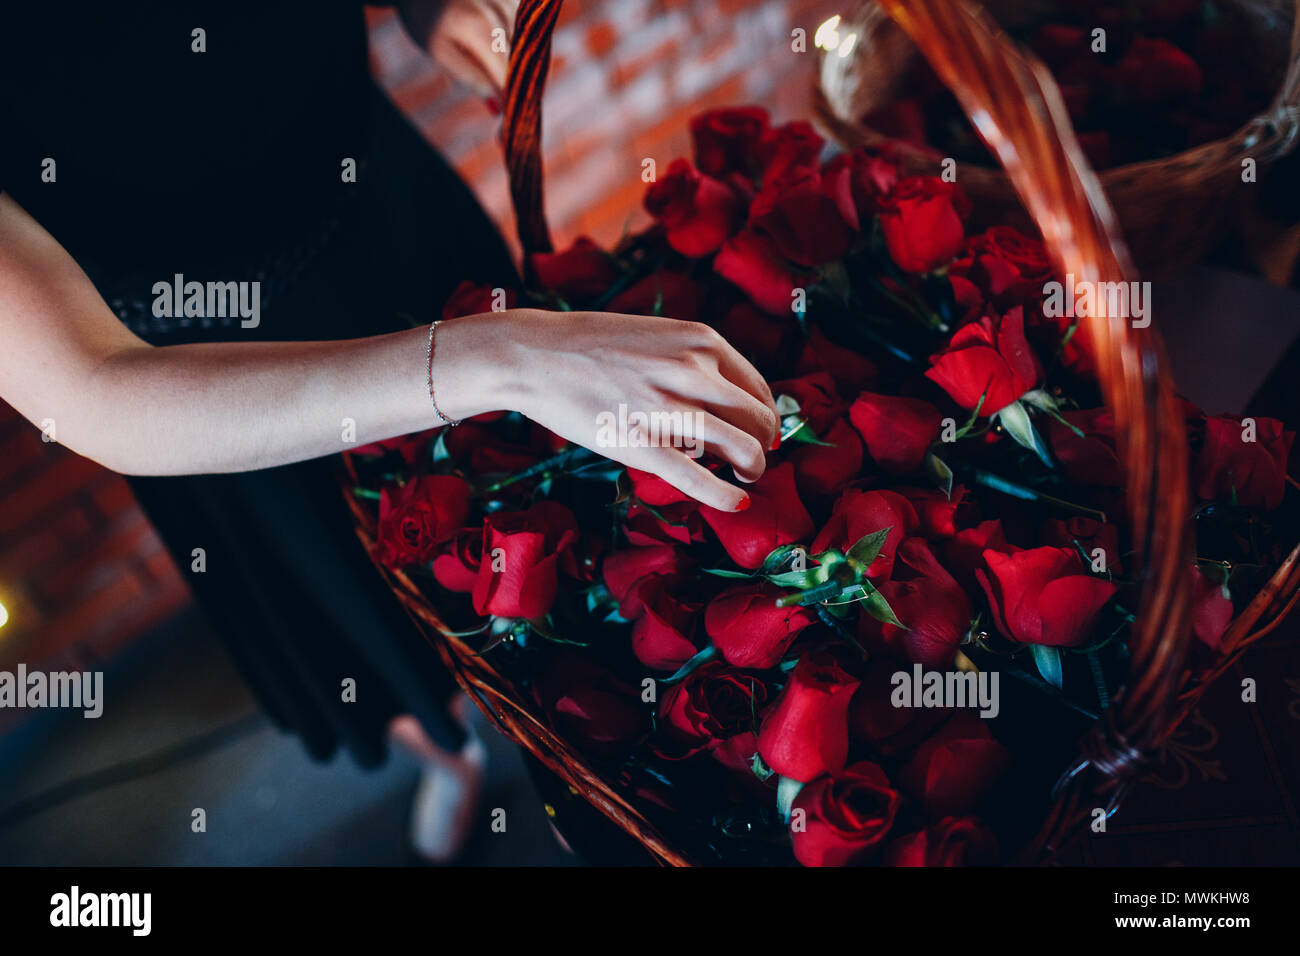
(470, 38)
(571, 372)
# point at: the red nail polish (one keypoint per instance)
(493, 105)
(776, 443)
(745, 502)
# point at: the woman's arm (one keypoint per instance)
(237, 406)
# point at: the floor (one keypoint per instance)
(185, 734)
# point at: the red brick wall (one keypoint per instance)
(82, 572)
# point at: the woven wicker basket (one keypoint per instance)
(1171, 209)
(1023, 121)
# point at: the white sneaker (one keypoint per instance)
(446, 801)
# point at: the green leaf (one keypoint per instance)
(1048, 661)
(726, 573)
(787, 788)
(1015, 421)
(867, 548)
(686, 669)
(761, 770)
(798, 579)
(876, 605)
(939, 473)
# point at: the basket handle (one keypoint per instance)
(1014, 103)
(530, 59)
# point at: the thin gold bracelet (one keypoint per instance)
(433, 328)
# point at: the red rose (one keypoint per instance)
(823, 470)
(1043, 596)
(859, 513)
(1008, 267)
(1091, 459)
(775, 516)
(697, 212)
(935, 611)
(750, 261)
(859, 180)
(1211, 608)
(676, 523)
(953, 841)
(456, 568)
(517, 576)
(989, 358)
(806, 734)
(711, 707)
(410, 447)
(1252, 472)
(623, 569)
(922, 222)
(898, 431)
(819, 401)
(661, 293)
(583, 271)
(964, 552)
(936, 512)
(844, 818)
(1090, 534)
(589, 705)
(955, 768)
(749, 630)
(726, 140)
(802, 218)
(790, 146)
(851, 370)
(473, 298)
(1154, 72)
(480, 451)
(663, 635)
(419, 516)
(874, 718)
(761, 338)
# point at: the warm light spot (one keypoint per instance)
(4, 615)
(827, 36)
(846, 47)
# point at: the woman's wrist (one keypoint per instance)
(476, 367)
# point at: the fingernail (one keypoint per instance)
(776, 443)
(493, 105)
(744, 503)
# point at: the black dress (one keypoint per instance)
(227, 164)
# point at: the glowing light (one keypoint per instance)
(827, 36)
(846, 47)
(4, 615)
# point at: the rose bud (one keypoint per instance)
(955, 767)
(787, 148)
(1211, 608)
(419, 516)
(517, 575)
(589, 705)
(819, 400)
(726, 140)
(874, 718)
(714, 709)
(936, 512)
(1043, 596)
(473, 298)
(963, 553)
(859, 513)
(859, 180)
(775, 516)
(677, 523)
(989, 358)
(750, 261)
(748, 628)
(898, 431)
(802, 218)
(824, 470)
(1251, 472)
(935, 611)
(1008, 267)
(953, 841)
(623, 569)
(845, 819)
(663, 635)
(1091, 459)
(806, 733)
(456, 568)
(922, 222)
(697, 212)
(851, 370)
(583, 271)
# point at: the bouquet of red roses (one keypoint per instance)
(820, 673)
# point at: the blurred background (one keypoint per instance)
(86, 585)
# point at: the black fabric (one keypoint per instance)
(140, 196)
